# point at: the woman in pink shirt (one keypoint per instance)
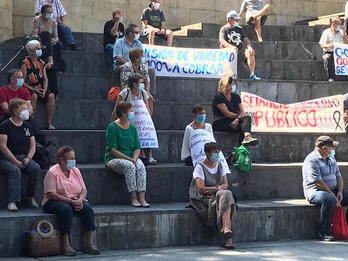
(64, 195)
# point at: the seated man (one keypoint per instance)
(13, 90)
(153, 19)
(59, 13)
(232, 36)
(328, 38)
(255, 15)
(113, 30)
(323, 183)
(123, 46)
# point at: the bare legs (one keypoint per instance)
(50, 106)
(266, 10)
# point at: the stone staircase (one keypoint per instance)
(270, 197)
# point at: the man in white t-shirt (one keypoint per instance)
(328, 38)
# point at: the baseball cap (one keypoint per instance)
(326, 140)
(233, 14)
(345, 100)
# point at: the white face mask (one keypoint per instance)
(24, 115)
(137, 36)
(156, 6)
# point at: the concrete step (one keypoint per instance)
(93, 63)
(170, 183)
(273, 147)
(171, 224)
(276, 61)
(95, 115)
(269, 50)
(75, 86)
(269, 32)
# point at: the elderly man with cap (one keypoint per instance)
(323, 183)
(233, 36)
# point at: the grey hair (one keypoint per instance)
(31, 45)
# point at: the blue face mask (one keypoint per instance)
(137, 36)
(142, 60)
(201, 118)
(235, 24)
(19, 83)
(141, 87)
(332, 154)
(121, 19)
(38, 52)
(215, 156)
(234, 88)
(70, 164)
(49, 16)
(131, 116)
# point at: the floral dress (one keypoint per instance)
(35, 75)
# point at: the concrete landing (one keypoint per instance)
(281, 250)
(170, 224)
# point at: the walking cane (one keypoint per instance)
(14, 57)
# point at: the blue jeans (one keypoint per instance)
(109, 49)
(65, 213)
(327, 202)
(68, 36)
(14, 174)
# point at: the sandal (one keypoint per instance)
(229, 244)
(136, 204)
(145, 204)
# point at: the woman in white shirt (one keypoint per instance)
(199, 117)
(209, 194)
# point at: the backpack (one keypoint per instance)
(242, 159)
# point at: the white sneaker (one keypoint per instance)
(331, 80)
(12, 207)
(33, 203)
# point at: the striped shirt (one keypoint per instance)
(57, 6)
(316, 168)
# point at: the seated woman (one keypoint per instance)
(209, 194)
(122, 153)
(136, 91)
(65, 195)
(137, 65)
(45, 28)
(17, 146)
(199, 117)
(35, 79)
(229, 114)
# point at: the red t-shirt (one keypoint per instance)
(6, 95)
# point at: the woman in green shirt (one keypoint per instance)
(122, 153)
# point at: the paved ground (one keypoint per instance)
(284, 250)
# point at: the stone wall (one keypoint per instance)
(90, 15)
(5, 19)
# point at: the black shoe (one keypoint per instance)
(251, 21)
(326, 237)
(73, 47)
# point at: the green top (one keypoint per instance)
(125, 141)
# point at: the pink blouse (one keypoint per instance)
(56, 181)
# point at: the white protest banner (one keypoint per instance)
(341, 58)
(324, 115)
(200, 137)
(191, 62)
(144, 124)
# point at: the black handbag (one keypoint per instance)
(42, 156)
